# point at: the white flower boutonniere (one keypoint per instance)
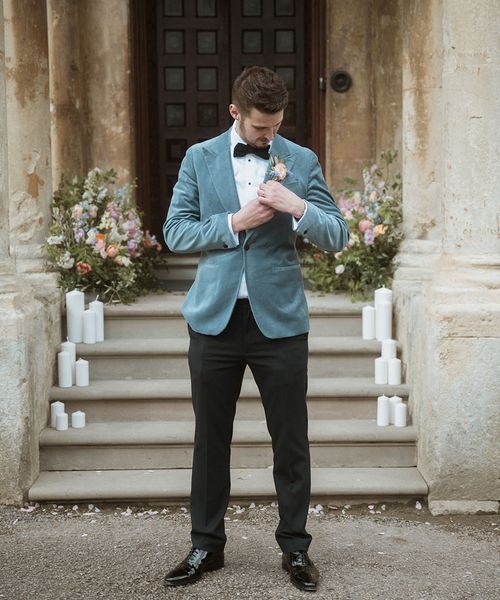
(277, 170)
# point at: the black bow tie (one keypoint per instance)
(244, 149)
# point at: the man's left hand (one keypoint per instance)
(277, 196)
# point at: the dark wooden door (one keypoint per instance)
(201, 46)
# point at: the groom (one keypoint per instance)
(240, 201)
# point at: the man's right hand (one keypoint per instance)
(251, 215)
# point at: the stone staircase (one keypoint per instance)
(137, 444)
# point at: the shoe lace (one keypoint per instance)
(299, 558)
(195, 554)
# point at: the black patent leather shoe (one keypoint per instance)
(191, 568)
(303, 574)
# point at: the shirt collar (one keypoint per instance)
(236, 139)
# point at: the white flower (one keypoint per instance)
(66, 261)
(55, 240)
(339, 269)
(126, 261)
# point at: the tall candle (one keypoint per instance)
(382, 294)
(78, 419)
(56, 408)
(389, 349)
(368, 322)
(82, 372)
(383, 411)
(62, 422)
(98, 307)
(89, 327)
(380, 370)
(70, 348)
(75, 306)
(383, 321)
(394, 400)
(400, 412)
(394, 371)
(64, 370)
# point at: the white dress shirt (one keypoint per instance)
(249, 173)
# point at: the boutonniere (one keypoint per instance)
(277, 170)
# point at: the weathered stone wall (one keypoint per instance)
(364, 39)
(447, 285)
(29, 299)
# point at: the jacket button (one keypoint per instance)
(247, 246)
(305, 231)
(224, 246)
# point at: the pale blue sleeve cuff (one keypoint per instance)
(235, 235)
(296, 222)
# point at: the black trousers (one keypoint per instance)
(279, 366)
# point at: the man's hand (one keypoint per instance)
(252, 215)
(280, 198)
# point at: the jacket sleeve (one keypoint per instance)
(183, 230)
(323, 223)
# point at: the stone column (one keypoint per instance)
(105, 49)
(450, 305)
(67, 91)
(29, 299)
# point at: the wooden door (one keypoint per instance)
(200, 48)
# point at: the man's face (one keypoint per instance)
(256, 128)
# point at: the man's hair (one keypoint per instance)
(260, 88)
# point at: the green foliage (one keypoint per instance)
(96, 240)
(374, 216)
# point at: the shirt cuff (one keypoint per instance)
(235, 235)
(296, 222)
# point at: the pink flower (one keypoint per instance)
(364, 225)
(83, 268)
(93, 211)
(118, 260)
(112, 250)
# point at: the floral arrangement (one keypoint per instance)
(374, 216)
(277, 170)
(96, 240)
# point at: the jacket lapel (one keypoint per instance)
(220, 169)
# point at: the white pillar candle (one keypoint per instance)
(383, 321)
(380, 370)
(383, 410)
(89, 327)
(394, 371)
(56, 408)
(62, 422)
(389, 348)
(394, 400)
(75, 306)
(368, 323)
(64, 371)
(70, 348)
(78, 419)
(98, 307)
(382, 294)
(400, 412)
(82, 372)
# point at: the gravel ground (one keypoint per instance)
(364, 552)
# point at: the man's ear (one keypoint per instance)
(233, 111)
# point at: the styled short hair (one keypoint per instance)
(260, 88)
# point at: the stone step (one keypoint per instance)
(170, 399)
(169, 444)
(353, 485)
(162, 358)
(159, 316)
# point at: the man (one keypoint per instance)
(241, 207)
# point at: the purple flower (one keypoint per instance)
(369, 237)
(79, 234)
